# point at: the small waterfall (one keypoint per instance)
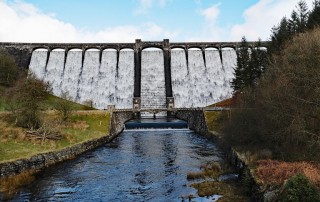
(89, 78)
(38, 63)
(197, 78)
(153, 92)
(106, 81)
(54, 71)
(216, 76)
(199, 84)
(229, 59)
(125, 80)
(179, 77)
(71, 74)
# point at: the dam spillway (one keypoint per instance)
(189, 74)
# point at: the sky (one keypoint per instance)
(106, 21)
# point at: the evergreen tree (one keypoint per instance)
(258, 62)
(314, 16)
(280, 34)
(243, 56)
(251, 63)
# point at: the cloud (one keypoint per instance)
(261, 17)
(211, 14)
(210, 30)
(23, 22)
(146, 5)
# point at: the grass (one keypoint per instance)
(212, 170)
(49, 103)
(277, 172)
(51, 100)
(229, 191)
(214, 120)
(82, 126)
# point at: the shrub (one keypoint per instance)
(298, 188)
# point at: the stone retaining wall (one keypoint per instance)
(196, 120)
(43, 160)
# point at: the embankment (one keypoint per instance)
(197, 122)
(43, 160)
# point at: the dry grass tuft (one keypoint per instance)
(80, 125)
(212, 170)
(10, 185)
(9, 132)
(276, 172)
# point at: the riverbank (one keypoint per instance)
(83, 131)
(267, 177)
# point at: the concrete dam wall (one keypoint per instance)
(149, 73)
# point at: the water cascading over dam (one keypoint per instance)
(153, 92)
(103, 83)
(150, 71)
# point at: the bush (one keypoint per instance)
(298, 188)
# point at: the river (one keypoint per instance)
(139, 165)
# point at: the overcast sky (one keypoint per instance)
(126, 20)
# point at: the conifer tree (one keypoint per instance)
(239, 82)
(314, 16)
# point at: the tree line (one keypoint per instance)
(252, 61)
(278, 92)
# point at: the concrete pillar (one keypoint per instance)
(203, 50)
(83, 55)
(167, 67)
(48, 56)
(137, 68)
(66, 50)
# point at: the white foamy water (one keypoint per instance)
(153, 92)
(200, 85)
(89, 78)
(54, 71)
(125, 80)
(106, 81)
(71, 74)
(229, 63)
(179, 77)
(38, 63)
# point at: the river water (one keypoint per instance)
(148, 165)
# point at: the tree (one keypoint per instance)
(240, 73)
(314, 16)
(8, 70)
(251, 63)
(279, 35)
(27, 94)
(64, 106)
(282, 111)
(299, 19)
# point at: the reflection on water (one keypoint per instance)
(136, 166)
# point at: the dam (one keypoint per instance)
(133, 75)
(140, 75)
